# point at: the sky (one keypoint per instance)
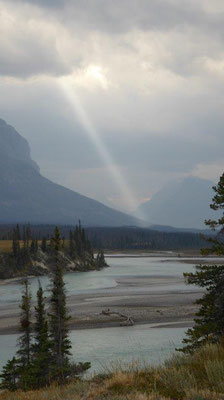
(116, 97)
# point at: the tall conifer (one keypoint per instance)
(41, 346)
(24, 352)
(25, 325)
(209, 326)
(59, 317)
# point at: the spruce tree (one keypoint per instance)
(209, 324)
(9, 375)
(100, 259)
(41, 347)
(17, 372)
(59, 331)
(217, 241)
(71, 244)
(16, 246)
(25, 347)
(44, 245)
(24, 351)
(18, 232)
(32, 247)
(36, 247)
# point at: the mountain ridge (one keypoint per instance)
(27, 196)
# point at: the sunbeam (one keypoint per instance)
(103, 152)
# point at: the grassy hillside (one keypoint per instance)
(183, 377)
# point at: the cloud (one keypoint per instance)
(29, 43)
(119, 16)
(149, 75)
(211, 170)
(166, 37)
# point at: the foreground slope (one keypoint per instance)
(26, 196)
(189, 377)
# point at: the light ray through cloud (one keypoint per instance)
(103, 152)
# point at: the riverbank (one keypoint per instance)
(186, 257)
(145, 299)
(147, 289)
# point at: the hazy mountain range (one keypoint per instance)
(26, 196)
(181, 204)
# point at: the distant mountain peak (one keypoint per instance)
(2, 122)
(181, 203)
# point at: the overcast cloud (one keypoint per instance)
(100, 85)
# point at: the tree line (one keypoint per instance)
(43, 354)
(117, 238)
(132, 238)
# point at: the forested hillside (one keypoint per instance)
(143, 239)
(121, 237)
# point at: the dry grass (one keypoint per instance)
(5, 246)
(184, 377)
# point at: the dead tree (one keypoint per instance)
(128, 321)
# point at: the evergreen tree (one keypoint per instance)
(17, 372)
(24, 351)
(43, 358)
(51, 246)
(28, 235)
(25, 251)
(18, 232)
(217, 242)
(209, 326)
(36, 246)
(71, 244)
(59, 318)
(44, 245)
(25, 347)
(15, 246)
(9, 375)
(24, 236)
(32, 247)
(41, 347)
(63, 243)
(100, 259)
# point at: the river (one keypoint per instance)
(142, 343)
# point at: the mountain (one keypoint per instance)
(26, 196)
(181, 204)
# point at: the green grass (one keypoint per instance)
(184, 377)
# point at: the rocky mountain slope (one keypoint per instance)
(26, 196)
